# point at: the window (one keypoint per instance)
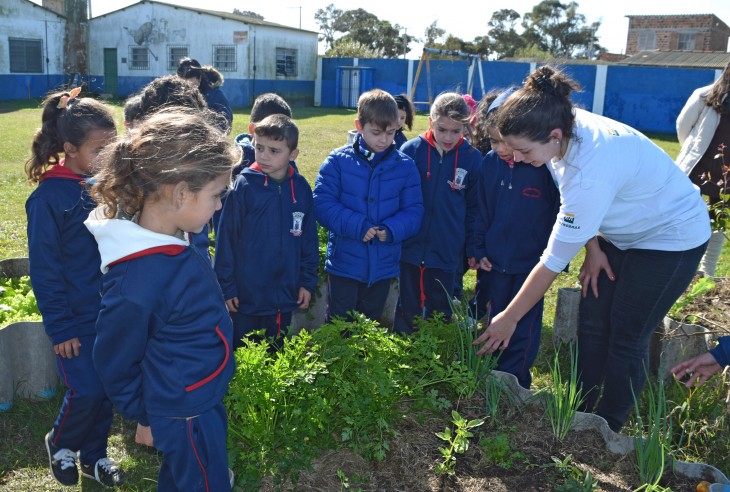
(139, 58)
(646, 41)
(224, 57)
(174, 54)
(686, 42)
(286, 62)
(26, 55)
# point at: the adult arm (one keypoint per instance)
(689, 115)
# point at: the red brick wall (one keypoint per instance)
(711, 33)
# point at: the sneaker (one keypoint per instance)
(62, 462)
(104, 471)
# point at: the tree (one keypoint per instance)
(326, 19)
(349, 48)
(248, 13)
(503, 37)
(559, 29)
(433, 34)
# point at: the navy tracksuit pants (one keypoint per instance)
(85, 417)
(521, 352)
(194, 451)
(423, 292)
(275, 326)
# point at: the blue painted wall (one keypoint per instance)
(646, 98)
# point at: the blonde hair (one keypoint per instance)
(168, 147)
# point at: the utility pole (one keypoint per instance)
(405, 42)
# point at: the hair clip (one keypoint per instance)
(63, 102)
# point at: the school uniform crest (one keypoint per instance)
(459, 176)
(297, 219)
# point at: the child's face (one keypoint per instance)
(80, 159)
(500, 148)
(446, 132)
(198, 208)
(401, 118)
(273, 156)
(375, 137)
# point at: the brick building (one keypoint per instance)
(694, 32)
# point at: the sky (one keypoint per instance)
(467, 21)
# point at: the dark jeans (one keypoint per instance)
(614, 330)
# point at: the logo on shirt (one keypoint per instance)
(297, 219)
(568, 220)
(458, 183)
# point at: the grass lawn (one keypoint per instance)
(23, 465)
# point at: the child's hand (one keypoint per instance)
(699, 369)
(485, 264)
(371, 233)
(232, 304)
(144, 435)
(473, 265)
(68, 349)
(382, 234)
(303, 298)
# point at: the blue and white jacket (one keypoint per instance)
(64, 261)
(357, 189)
(267, 245)
(164, 335)
(518, 204)
(450, 199)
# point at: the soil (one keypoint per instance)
(413, 456)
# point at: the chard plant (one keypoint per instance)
(654, 434)
(457, 442)
(562, 402)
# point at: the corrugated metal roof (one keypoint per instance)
(216, 13)
(686, 59)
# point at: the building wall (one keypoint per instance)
(159, 27)
(709, 32)
(23, 19)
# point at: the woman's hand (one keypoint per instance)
(497, 335)
(595, 261)
(699, 368)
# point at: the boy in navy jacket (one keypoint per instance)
(368, 196)
(266, 251)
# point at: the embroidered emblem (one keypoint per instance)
(297, 218)
(569, 218)
(458, 183)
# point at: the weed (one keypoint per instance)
(563, 401)
(458, 442)
(498, 450)
(652, 451)
(699, 289)
(573, 478)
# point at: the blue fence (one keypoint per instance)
(647, 98)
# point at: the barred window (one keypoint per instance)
(646, 40)
(174, 54)
(286, 62)
(686, 42)
(26, 55)
(224, 57)
(139, 58)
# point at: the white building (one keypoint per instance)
(131, 46)
(31, 49)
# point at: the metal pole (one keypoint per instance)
(405, 42)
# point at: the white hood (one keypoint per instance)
(119, 238)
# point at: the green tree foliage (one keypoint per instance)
(557, 28)
(349, 48)
(248, 13)
(503, 37)
(360, 28)
(433, 34)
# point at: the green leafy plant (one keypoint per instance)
(497, 450)
(458, 441)
(573, 478)
(654, 433)
(17, 301)
(495, 395)
(699, 289)
(562, 402)
(720, 211)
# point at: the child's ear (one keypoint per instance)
(358, 125)
(250, 128)
(293, 155)
(180, 193)
(69, 149)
